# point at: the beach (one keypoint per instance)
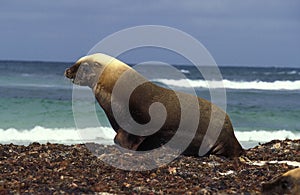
(72, 169)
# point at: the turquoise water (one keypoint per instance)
(262, 102)
(26, 113)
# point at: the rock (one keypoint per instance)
(276, 146)
(3, 189)
(141, 189)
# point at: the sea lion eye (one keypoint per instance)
(97, 64)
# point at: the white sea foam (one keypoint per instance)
(265, 136)
(292, 72)
(185, 71)
(249, 139)
(105, 135)
(259, 85)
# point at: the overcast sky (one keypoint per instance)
(250, 32)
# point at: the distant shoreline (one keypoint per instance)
(133, 64)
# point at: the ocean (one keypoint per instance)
(36, 103)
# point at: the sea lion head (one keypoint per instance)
(86, 70)
(287, 183)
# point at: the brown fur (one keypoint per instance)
(287, 183)
(143, 96)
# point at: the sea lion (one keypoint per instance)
(287, 183)
(101, 73)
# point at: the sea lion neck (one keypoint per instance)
(108, 77)
(106, 82)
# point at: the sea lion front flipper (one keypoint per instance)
(127, 140)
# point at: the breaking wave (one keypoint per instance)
(259, 85)
(105, 135)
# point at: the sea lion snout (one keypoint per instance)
(81, 74)
(69, 73)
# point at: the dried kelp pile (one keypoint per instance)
(57, 169)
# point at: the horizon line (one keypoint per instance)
(132, 64)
